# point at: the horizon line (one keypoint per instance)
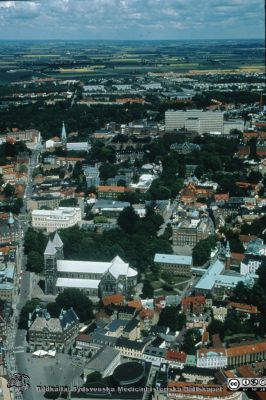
(126, 40)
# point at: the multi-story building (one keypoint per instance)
(193, 304)
(110, 192)
(96, 278)
(60, 218)
(219, 313)
(246, 354)
(173, 264)
(190, 231)
(9, 229)
(92, 175)
(212, 358)
(109, 208)
(46, 332)
(195, 120)
(132, 330)
(50, 201)
(130, 348)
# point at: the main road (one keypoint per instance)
(16, 345)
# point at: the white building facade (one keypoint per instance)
(196, 120)
(60, 218)
(208, 358)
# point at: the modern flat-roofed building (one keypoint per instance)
(190, 231)
(197, 120)
(174, 264)
(60, 218)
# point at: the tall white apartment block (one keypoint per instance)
(60, 218)
(196, 120)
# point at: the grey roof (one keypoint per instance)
(131, 325)
(68, 318)
(57, 240)
(172, 259)
(130, 344)
(99, 338)
(50, 249)
(215, 275)
(110, 204)
(115, 324)
(155, 351)
(102, 359)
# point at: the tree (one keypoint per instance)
(128, 220)
(78, 300)
(191, 338)
(9, 190)
(24, 314)
(72, 202)
(201, 252)
(93, 377)
(53, 309)
(216, 326)
(147, 290)
(77, 171)
(107, 170)
(172, 318)
(254, 177)
(34, 241)
(35, 262)
(262, 275)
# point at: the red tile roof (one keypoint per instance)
(117, 298)
(246, 349)
(82, 337)
(244, 307)
(146, 313)
(179, 356)
(135, 304)
(120, 189)
(221, 196)
(247, 238)
(193, 299)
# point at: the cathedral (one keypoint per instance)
(98, 279)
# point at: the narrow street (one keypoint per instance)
(16, 345)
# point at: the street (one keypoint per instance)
(16, 339)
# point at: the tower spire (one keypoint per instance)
(63, 133)
(227, 256)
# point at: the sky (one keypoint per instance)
(131, 19)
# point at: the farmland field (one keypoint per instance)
(82, 58)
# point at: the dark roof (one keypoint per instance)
(124, 309)
(68, 318)
(131, 325)
(129, 344)
(103, 340)
(158, 329)
(155, 351)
